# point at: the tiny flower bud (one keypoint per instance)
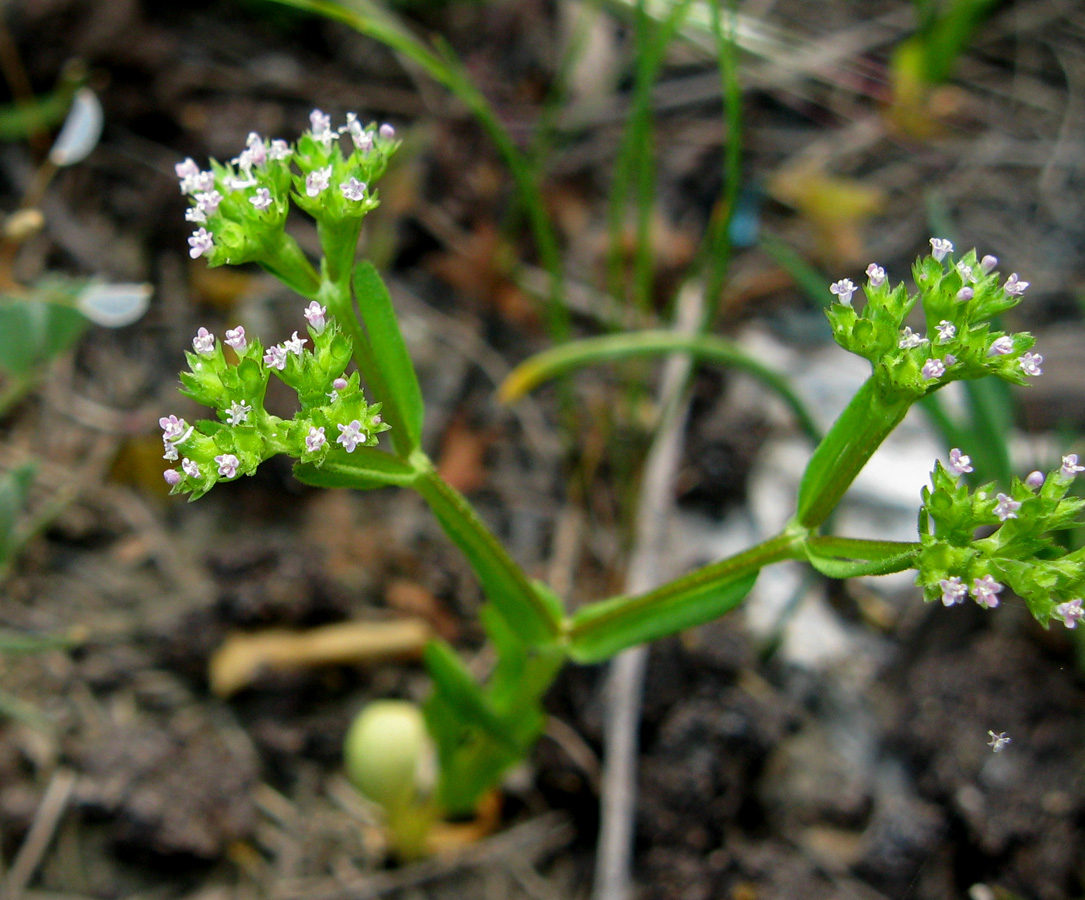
(388, 754)
(1030, 363)
(988, 263)
(387, 131)
(933, 368)
(172, 477)
(235, 337)
(959, 463)
(965, 294)
(843, 289)
(204, 342)
(940, 247)
(1035, 480)
(314, 315)
(340, 384)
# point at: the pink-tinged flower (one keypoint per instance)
(875, 274)
(842, 289)
(204, 342)
(376, 420)
(314, 315)
(933, 368)
(235, 337)
(1071, 612)
(191, 469)
(172, 477)
(950, 360)
(965, 294)
(1013, 287)
(998, 741)
(317, 181)
(1035, 480)
(988, 263)
(387, 132)
(279, 150)
(965, 272)
(1070, 467)
(201, 243)
(228, 464)
(319, 122)
(295, 345)
(261, 200)
(1001, 346)
(315, 439)
(194, 214)
(257, 149)
(940, 247)
(946, 330)
(237, 183)
(186, 169)
(208, 202)
(350, 436)
(985, 591)
(909, 339)
(959, 463)
(353, 189)
(238, 413)
(275, 357)
(340, 384)
(173, 427)
(362, 139)
(202, 183)
(953, 591)
(1007, 507)
(1030, 363)
(171, 453)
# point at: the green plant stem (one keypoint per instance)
(288, 262)
(850, 442)
(505, 583)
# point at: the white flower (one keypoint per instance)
(262, 199)
(353, 189)
(843, 289)
(876, 275)
(940, 247)
(317, 181)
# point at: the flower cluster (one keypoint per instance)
(958, 300)
(232, 377)
(240, 207)
(1019, 551)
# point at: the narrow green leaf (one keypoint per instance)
(14, 486)
(607, 348)
(389, 352)
(604, 629)
(850, 557)
(36, 328)
(366, 468)
(456, 686)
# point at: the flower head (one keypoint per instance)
(1030, 363)
(953, 591)
(314, 315)
(959, 463)
(204, 342)
(946, 330)
(1070, 467)
(940, 247)
(227, 464)
(173, 427)
(933, 368)
(1007, 507)
(191, 469)
(350, 436)
(1071, 612)
(235, 337)
(318, 181)
(1015, 288)
(207, 202)
(998, 741)
(275, 357)
(353, 189)
(1001, 346)
(261, 200)
(295, 345)
(238, 413)
(985, 591)
(875, 274)
(315, 439)
(842, 289)
(909, 339)
(201, 243)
